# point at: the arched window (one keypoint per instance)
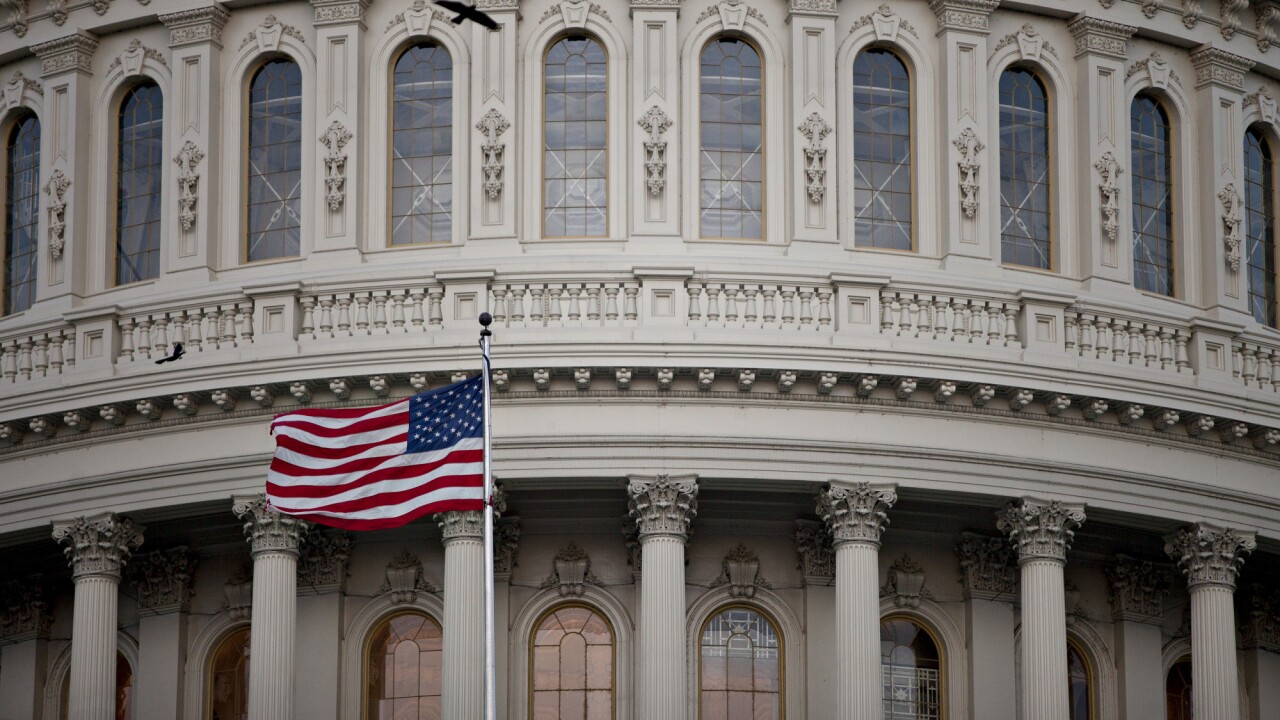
(275, 162)
(124, 691)
(422, 146)
(139, 162)
(575, 154)
(1025, 231)
(1079, 684)
(740, 667)
(229, 678)
(21, 213)
(911, 671)
(1260, 241)
(571, 671)
(1177, 691)
(403, 670)
(1152, 160)
(732, 161)
(881, 151)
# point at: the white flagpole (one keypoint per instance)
(490, 656)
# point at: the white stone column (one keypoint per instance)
(990, 587)
(98, 547)
(1137, 589)
(1211, 557)
(322, 579)
(274, 539)
(25, 618)
(462, 696)
(162, 581)
(662, 507)
(1260, 639)
(1041, 531)
(856, 515)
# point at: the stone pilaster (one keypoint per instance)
(655, 97)
(1041, 532)
(25, 617)
(1137, 590)
(662, 506)
(856, 515)
(463, 535)
(812, 193)
(1211, 557)
(322, 580)
(990, 578)
(97, 548)
(493, 111)
(163, 582)
(1260, 649)
(274, 541)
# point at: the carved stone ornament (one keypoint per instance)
(506, 543)
(1266, 16)
(571, 572)
(905, 583)
(812, 7)
(491, 126)
(56, 189)
(1191, 13)
(817, 559)
(1149, 8)
(1219, 67)
(1029, 41)
(1210, 555)
(1110, 170)
(468, 524)
(268, 35)
(574, 13)
(663, 505)
(1040, 529)
(655, 122)
(885, 23)
(1137, 588)
(339, 12)
(334, 139)
(1231, 223)
(631, 541)
(1157, 69)
(132, 58)
(963, 15)
(99, 545)
(188, 157)
(404, 579)
(1260, 619)
(987, 568)
(18, 12)
(417, 18)
(189, 27)
(69, 53)
(815, 130)
(740, 570)
(266, 530)
(25, 610)
(969, 145)
(322, 566)
(856, 512)
(58, 12)
(237, 592)
(733, 14)
(1101, 37)
(12, 92)
(1230, 11)
(1265, 103)
(164, 579)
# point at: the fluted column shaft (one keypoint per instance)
(462, 694)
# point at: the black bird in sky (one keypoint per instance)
(178, 352)
(467, 12)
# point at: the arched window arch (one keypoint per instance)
(1026, 236)
(575, 151)
(911, 667)
(229, 678)
(572, 665)
(1177, 691)
(422, 146)
(1260, 233)
(124, 691)
(1080, 683)
(21, 213)
(740, 666)
(1151, 143)
(274, 167)
(731, 203)
(403, 668)
(139, 169)
(882, 188)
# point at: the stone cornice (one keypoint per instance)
(663, 505)
(964, 15)
(856, 512)
(1040, 529)
(1210, 554)
(72, 52)
(1219, 67)
(99, 545)
(266, 530)
(340, 12)
(1100, 37)
(190, 27)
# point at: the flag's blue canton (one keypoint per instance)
(439, 418)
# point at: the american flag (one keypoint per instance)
(381, 467)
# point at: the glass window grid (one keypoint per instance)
(274, 164)
(1025, 219)
(572, 666)
(575, 145)
(404, 669)
(882, 151)
(731, 125)
(1260, 239)
(1152, 182)
(21, 214)
(422, 146)
(740, 668)
(228, 697)
(911, 671)
(139, 169)
(1178, 689)
(1079, 684)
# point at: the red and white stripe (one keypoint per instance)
(349, 468)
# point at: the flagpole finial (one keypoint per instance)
(485, 321)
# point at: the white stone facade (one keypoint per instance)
(1020, 461)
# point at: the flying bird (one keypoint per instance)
(178, 352)
(467, 12)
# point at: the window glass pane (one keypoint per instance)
(1024, 170)
(881, 150)
(739, 671)
(403, 670)
(911, 670)
(275, 161)
(1260, 239)
(1152, 180)
(1178, 691)
(575, 153)
(572, 671)
(21, 214)
(422, 146)
(139, 138)
(1078, 681)
(731, 202)
(229, 678)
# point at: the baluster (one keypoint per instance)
(695, 302)
(959, 325)
(344, 315)
(24, 358)
(886, 312)
(213, 328)
(160, 335)
(730, 305)
(770, 310)
(1235, 360)
(575, 308)
(1072, 323)
(517, 305)
(195, 338)
(55, 352)
(611, 303)
(941, 327)
(144, 337)
(500, 306)
(806, 306)
(70, 350)
(9, 361)
(397, 310)
(40, 356)
(1180, 354)
(1102, 329)
(244, 318)
(1119, 340)
(924, 311)
(1166, 348)
(362, 316)
(824, 307)
(593, 304)
(974, 312)
(750, 315)
(1265, 358)
(632, 313)
(308, 317)
(416, 316)
(903, 308)
(1275, 370)
(1250, 366)
(994, 318)
(180, 321)
(1151, 353)
(788, 306)
(435, 316)
(1136, 342)
(1086, 335)
(378, 322)
(536, 312)
(325, 321)
(126, 339)
(1011, 324)
(555, 315)
(713, 303)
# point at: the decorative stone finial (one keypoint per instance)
(856, 512)
(99, 545)
(663, 505)
(163, 579)
(1210, 555)
(1040, 529)
(268, 530)
(987, 568)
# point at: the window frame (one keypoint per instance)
(258, 63)
(366, 646)
(1269, 136)
(1043, 76)
(1091, 676)
(914, 162)
(206, 702)
(695, 191)
(782, 650)
(113, 218)
(563, 34)
(398, 52)
(613, 646)
(8, 127)
(944, 667)
(1168, 108)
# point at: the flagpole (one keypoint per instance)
(490, 656)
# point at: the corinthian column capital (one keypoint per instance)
(460, 524)
(1210, 555)
(268, 530)
(1040, 529)
(856, 512)
(98, 545)
(663, 505)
